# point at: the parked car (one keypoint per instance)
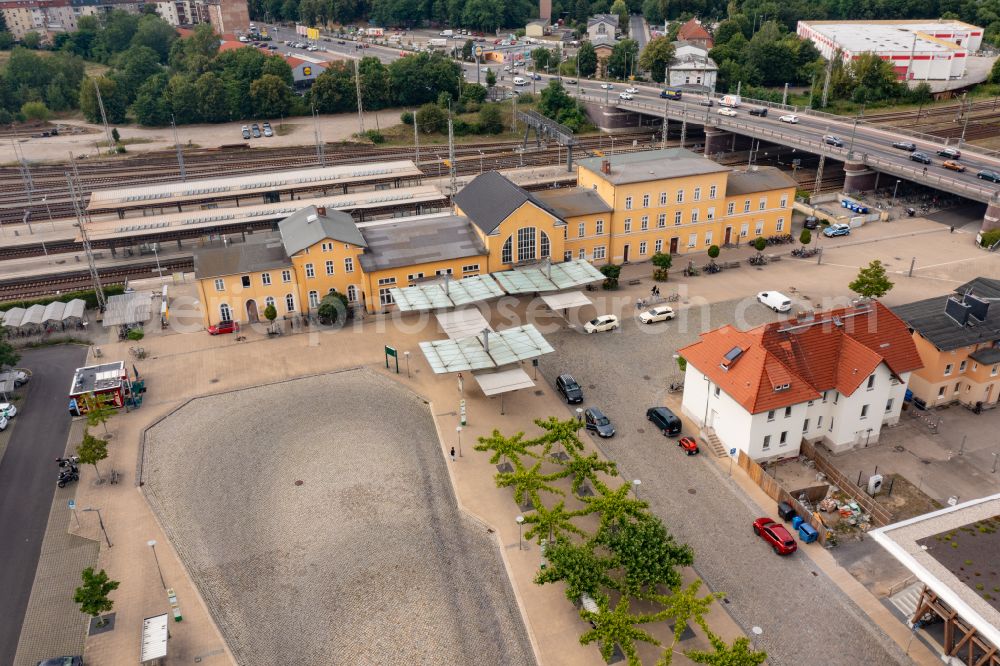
(62, 661)
(726, 111)
(904, 145)
(602, 323)
(811, 222)
(659, 313)
(831, 140)
(776, 535)
(625, 95)
(759, 111)
(950, 153)
(21, 377)
(607, 86)
(571, 391)
(837, 230)
(789, 118)
(952, 165)
(595, 420)
(267, 130)
(920, 157)
(255, 129)
(3, 423)
(775, 300)
(8, 410)
(689, 446)
(986, 174)
(223, 327)
(665, 420)
(246, 132)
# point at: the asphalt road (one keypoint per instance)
(803, 615)
(28, 479)
(637, 30)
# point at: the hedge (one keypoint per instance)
(87, 295)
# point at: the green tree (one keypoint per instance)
(8, 355)
(622, 61)
(150, 106)
(873, 79)
(376, 84)
(682, 363)
(741, 653)
(154, 33)
(491, 78)
(551, 523)
(562, 432)
(491, 119)
(333, 91)
(195, 53)
(93, 594)
(270, 96)
(579, 567)
(473, 92)
(270, 313)
(713, 252)
(92, 450)
(616, 506)
(112, 94)
(646, 553)
(995, 72)
(431, 118)
(467, 49)
(6, 40)
(585, 468)
(182, 98)
(759, 243)
(621, 9)
(527, 482)
(213, 105)
(611, 273)
(35, 111)
(512, 447)
(31, 40)
(278, 67)
(805, 237)
(118, 29)
(662, 261)
(652, 12)
(656, 58)
(135, 66)
(540, 58)
(98, 411)
(586, 59)
(618, 626)
(332, 308)
(419, 78)
(872, 281)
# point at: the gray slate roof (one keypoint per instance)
(927, 317)
(259, 253)
(408, 243)
(306, 227)
(761, 180)
(572, 201)
(490, 199)
(652, 165)
(606, 18)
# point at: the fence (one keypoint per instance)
(779, 494)
(880, 515)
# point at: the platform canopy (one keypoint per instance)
(485, 351)
(566, 299)
(548, 277)
(129, 308)
(155, 634)
(445, 293)
(465, 323)
(505, 381)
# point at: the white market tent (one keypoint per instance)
(129, 308)
(12, 318)
(75, 310)
(466, 323)
(566, 299)
(33, 318)
(490, 350)
(53, 313)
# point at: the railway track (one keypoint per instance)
(15, 289)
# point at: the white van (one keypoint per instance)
(520, 81)
(775, 300)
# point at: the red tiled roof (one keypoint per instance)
(692, 30)
(293, 61)
(230, 45)
(838, 350)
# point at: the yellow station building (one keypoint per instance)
(624, 209)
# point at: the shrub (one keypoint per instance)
(526, 98)
(661, 274)
(990, 238)
(713, 252)
(611, 273)
(662, 259)
(35, 111)
(406, 117)
(375, 136)
(136, 334)
(87, 295)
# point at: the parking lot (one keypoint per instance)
(317, 519)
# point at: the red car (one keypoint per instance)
(223, 327)
(689, 445)
(775, 534)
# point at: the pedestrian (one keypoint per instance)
(952, 229)
(652, 291)
(638, 304)
(925, 171)
(656, 291)
(453, 454)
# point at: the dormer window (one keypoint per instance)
(730, 358)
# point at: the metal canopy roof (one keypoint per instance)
(458, 324)
(568, 299)
(495, 383)
(154, 638)
(129, 308)
(548, 277)
(488, 351)
(446, 293)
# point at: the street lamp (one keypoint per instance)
(520, 525)
(458, 431)
(894, 189)
(480, 162)
(101, 522)
(152, 544)
(579, 414)
(406, 355)
(635, 486)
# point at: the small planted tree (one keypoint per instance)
(505, 447)
(759, 243)
(98, 411)
(553, 522)
(618, 626)
(332, 308)
(740, 653)
(93, 594)
(805, 237)
(662, 261)
(8, 355)
(872, 281)
(491, 79)
(713, 253)
(611, 274)
(577, 565)
(682, 363)
(91, 451)
(527, 482)
(270, 314)
(685, 608)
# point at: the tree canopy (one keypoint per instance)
(656, 57)
(872, 281)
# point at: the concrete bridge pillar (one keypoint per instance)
(991, 220)
(717, 141)
(858, 177)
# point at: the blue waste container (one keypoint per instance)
(796, 521)
(844, 203)
(807, 533)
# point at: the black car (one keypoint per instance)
(665, 420)
(904, 145)
(831, 140)
(986, 174)
(595, 420)
(340, 41)
(950, 153)
(62, 661)
(566, 385)
(256, 131)
(762, 112)
(920, 157)
(536, 76)
(811, 222)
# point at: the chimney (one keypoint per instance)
(978, 308)
(606, 166)
(321, 211)
(957, 310)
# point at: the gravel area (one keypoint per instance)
(367, 561)
(805, 617)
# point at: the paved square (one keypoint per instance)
(367, 561)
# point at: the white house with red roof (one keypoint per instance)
(834, 377)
